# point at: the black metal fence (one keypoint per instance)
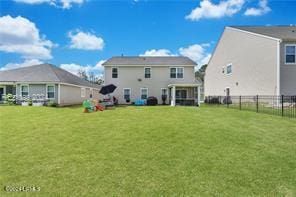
(277, 105)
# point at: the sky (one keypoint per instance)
(82, 34)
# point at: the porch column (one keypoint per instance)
(198, 95)
(173, 96)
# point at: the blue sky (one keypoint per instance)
(80, 34)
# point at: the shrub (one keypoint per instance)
(52, 104)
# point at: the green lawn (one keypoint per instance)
(147, 151)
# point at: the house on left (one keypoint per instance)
(57, 85)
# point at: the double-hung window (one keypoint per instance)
(147, 72)
(164, 92)
(50, 91)
(83, 92)
(127, 94)
(114, 72)
(24, 90)
(176, 72)
(290, 54)
(144, 93)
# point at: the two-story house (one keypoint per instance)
(161, 77)
(253, 60)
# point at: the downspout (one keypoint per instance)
(278, 92)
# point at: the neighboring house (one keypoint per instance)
(54, 83)
(140, 77)
(250, 60)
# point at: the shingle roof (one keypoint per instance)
(43, 73)
(280, 32)
(149, 61)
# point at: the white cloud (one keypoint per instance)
(85, 40)
(30, 62)
(207, 9)
(64, 4)
(262, 9)
(157, 52)
(21, 36)
(197, 53)
(75, 68)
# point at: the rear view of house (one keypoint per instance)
(56, 84)
(252, 60)
(170, 79)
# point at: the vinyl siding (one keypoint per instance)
(254, 65)
(71, 95)
(128, 77)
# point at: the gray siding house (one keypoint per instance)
(56, 84)
(137, 78)
(252, 60)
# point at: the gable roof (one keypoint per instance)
(149, 61)
(279, 32)
(43, 73)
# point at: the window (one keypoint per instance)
(176, 72)
(290, 54)
(164, 92)
(24, 90)
(147, 72)
(144, 93)
(114, 72)
(229, 69)
(127, 94)
(83, 92)
(50, 91)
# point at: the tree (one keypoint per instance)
(200, 74)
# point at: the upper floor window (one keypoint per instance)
(144, 93)
(50, 90)
(290, 54)
(229, 69)
(114, 72)
(24, 90)
(147, 72)
(176, 72)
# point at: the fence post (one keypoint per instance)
(240, 102)
(257, 103)
(227, 101)
(282, 105)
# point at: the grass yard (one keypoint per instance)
(141, 151)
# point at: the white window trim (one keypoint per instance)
(130, 91)
(4, 89)
(289, 63)
(112, 72)
(54, 94)
(83, 90)
(141, 92)
(230, 64)
(145, 72)
(21, 89)
(176, 72)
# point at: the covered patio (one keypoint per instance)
(184, 94)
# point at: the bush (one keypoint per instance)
(9, 98)
(52, 104)
(212, 100)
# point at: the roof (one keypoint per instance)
(149, 61)
(280, 32)
(43, 73)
